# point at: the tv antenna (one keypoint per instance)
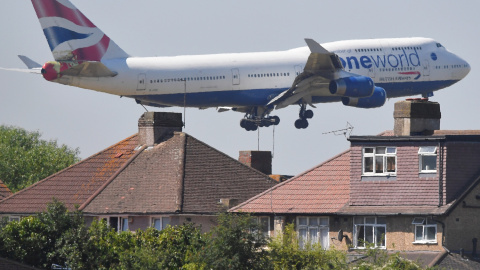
(344, 131)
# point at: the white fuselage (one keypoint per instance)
(402, 66)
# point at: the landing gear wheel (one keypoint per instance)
(308, 114)
(276, 120)
(301, 123)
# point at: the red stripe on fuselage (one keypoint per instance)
(52, 8)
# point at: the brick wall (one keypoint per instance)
(462, 165)
(463, 224)
(409, 187)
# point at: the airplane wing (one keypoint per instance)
(33, 67)
(319, 70)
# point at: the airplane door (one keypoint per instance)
(371, 72)
(426, 68)
(141, 82)
(235, 76)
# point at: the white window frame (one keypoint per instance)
(427, 151)
(424, 224)
(369, 222)
(14, 218)
(165, 221)
(375, 153)
(120, 220)
(320, 224)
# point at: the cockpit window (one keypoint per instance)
(439, 45)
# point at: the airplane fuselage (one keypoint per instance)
(402, 66)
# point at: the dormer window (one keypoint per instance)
(379, 160)
(427, 157)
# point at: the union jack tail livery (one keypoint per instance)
(72, 36)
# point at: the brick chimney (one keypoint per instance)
(154, 127)
(416, 117)
(259, 160)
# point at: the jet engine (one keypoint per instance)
(377, 99)
(51, 70)
(355, 86)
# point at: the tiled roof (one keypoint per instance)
(4, 191)
(455, 261)
(323, 189)
(73, 185)
(180, 175)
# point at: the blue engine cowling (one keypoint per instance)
(355, 86)
(377, 99)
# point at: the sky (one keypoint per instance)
(93, 121)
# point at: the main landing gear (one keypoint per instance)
(304, 115)
(253, 120)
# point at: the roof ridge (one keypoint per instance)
(67, 168)
(288, 181)
(236, 160)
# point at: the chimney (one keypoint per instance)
(259, 160)
(416, 117)
(154, 127)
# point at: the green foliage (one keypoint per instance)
(59, 236)
(236, 243)
(25, 158)
(286, 253)
(39, 240)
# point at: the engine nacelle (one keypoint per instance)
(51, 70)
(355, 86)
(377, 99)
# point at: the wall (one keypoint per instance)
(408, 187)
(463, 224)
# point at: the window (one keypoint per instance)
(313, 230)
(118, 223)
(160, 223)
(425, 230)
(369, 230)
(379, 160)
(13, 218)
(264, 223)
(427, 157)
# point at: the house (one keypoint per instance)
(415, 190)
(4, 191)
(157, 177)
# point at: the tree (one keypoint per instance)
(25, 158)
(236, 243)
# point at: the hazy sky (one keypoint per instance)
(93, 121)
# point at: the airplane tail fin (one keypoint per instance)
(72, 36)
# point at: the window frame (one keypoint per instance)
(261, 221)
(375, 225)
(423, 152)
(424, 225)
(120, 220)
(162, 219)
(319, 226)
(385, 157)
(14, 218)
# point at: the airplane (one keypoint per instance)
(358, 73)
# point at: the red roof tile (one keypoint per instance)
(73, 185)
(323, 189)
(4, 191)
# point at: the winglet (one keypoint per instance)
(29, 62)
(315, 47)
